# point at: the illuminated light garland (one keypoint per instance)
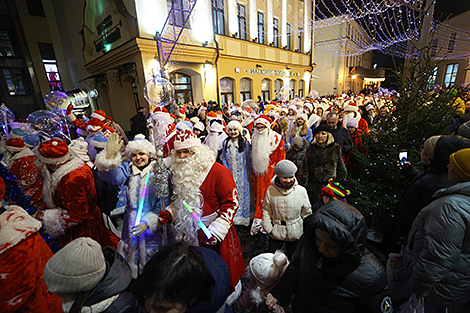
(198, 221)
(141, 204)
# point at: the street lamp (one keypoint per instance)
(353, 82)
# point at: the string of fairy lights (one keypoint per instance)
(360, 26)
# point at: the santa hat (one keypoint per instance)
(140, 144)
(263, 119)
(211, 115)
(15, 144)
(172, 115)
(99, 114)
(309, 106)
(199, 126)
(80, 147)
(161, 114)
(334, 190)
(94, 124)
(267, 268)
(216, 126)
(99, 141)
(181, 112)
(186, 139)
(351, 106)
(53, 151)
(236, 125)
(19, 132)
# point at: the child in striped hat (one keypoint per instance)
(334, 190)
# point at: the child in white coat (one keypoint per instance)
(285, 206)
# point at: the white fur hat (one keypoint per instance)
(267, 268)
(235, 124)
(80, 147)
(216, 126)
(199, 126)
(140, 144)
(186, 139)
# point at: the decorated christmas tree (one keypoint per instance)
(418, 111)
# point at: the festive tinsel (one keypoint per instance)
(16, 194)
(161, 179)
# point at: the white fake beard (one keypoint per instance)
(212, 141)
(186, 173)
(260, 152)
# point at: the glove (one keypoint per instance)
(211, 241)
(113, 146)
(69, 109)
(164, 217)
(139, 229)
(257, 226)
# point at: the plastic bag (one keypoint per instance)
(413, 305)
(396, 276)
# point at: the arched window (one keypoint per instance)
(265, 89)
(245, 89)
(301, 88)
(226, 91)
(278, 83)
(292, 86)
(182, 84)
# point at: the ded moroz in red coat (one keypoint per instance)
(261, 183)
(73, 212)
(23, 255)
(28, 175)
(220, 206)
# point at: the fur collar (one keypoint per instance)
(51, 181)
(15, 226)
(23, 153)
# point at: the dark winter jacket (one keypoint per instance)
(115, 281)
(354, 282)
(319, 165)
(138, 125)
(296, 156)
(342, 138)
(438, 248)
(219, 292)
(419, 192)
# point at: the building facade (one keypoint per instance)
(342, 66)
(102, 52)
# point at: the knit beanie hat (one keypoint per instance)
(460, 162)
(352, 123)
(31, 140)
(80, 147)
(267, 268)
(430, 145)
(464, 130)
(53, 151)
(285, 168)
(334, 190)
(77, 267)
(298, 142)
(186, 139)
(140, 144)
(99, 141)
(15, 145)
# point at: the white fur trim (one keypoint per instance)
(152, 221)
(140, 144)
(45, 160)
(219, 228)
(23, 153)
(104, 164)
(256, 297)
(16, 225)
(98, 144)
(53, 223)
(98, 116)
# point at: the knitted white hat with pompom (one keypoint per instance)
(267, 268)
(140, 144)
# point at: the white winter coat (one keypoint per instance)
(290, 206)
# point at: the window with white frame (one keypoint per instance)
(451, 74)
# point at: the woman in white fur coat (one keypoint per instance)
(131, 175)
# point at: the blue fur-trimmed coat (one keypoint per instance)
(129, 177)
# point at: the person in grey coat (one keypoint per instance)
(437, 255)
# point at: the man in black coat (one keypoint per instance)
(340, 133)
(138, 123)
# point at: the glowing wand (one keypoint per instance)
(198, 221)
(141, 204)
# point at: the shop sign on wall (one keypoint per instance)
(257, 71)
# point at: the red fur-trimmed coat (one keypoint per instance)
(23, 255)
(261, 183)
(73, 212)
(28, 175)
(221, 200)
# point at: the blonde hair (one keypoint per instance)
(329, 140)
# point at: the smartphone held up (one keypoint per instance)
(402, 157)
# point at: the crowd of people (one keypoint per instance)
(149, 220)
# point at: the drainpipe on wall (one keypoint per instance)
(217, 69)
